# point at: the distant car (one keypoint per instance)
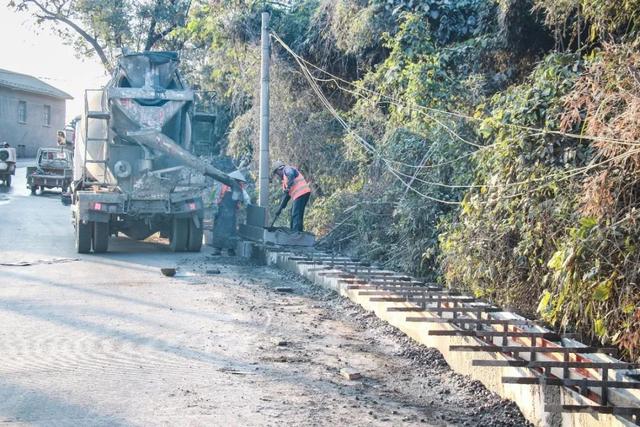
(54, 170)
(7, 164)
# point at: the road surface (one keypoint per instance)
(107, 340)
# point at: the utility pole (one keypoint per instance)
(263, 175)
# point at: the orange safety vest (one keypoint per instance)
(223, 190)
(299, 188)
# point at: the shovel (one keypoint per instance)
(275, 218)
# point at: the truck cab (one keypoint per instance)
(54, 169)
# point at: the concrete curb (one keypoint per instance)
(531, 399)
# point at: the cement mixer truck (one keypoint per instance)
(134, 172)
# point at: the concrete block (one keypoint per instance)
(244, 249)
(277, 236)
(256, 216)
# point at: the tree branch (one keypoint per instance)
(155, 37)
(57, 16)
(152, 27)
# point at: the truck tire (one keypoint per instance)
(195, 236)
(179, 234)
(33, 190)
(8, 181)
(100, 237)
(83, 237)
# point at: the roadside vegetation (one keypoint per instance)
(492, 145)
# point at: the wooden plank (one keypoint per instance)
(406, 309)
(471, 321)
(407, 292)
(390, 288)
(466, 309)
(428, 298)
(319, 259)
(446, 309)
(511, 334)
(614, 410)
(553, 364)
(377, 284)
(524, 349)
(570, 382)
(381, 276)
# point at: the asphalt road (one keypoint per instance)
(107, 340)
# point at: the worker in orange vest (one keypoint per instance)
(224, 234)
(295, 187)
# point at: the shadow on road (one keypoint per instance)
(32, 278)
(25, 405)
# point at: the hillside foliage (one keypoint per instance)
(486, 144)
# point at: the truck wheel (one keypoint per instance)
(179, 234)
(83, 237)
(100, 237)
(195, 237)
(8, 181)
(33, 190)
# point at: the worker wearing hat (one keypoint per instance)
(295, 187)
(225, 222)
(62, 138)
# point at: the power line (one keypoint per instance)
(367, 146)
(398, 174)
(559, 176)
(457, 114)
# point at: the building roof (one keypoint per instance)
(28, 83)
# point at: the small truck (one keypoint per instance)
(54, 170)
(7, 164)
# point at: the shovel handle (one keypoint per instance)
(275, 218)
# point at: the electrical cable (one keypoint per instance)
(453, 113)
(398, 174)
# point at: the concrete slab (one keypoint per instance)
(278, 236)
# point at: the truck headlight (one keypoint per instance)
(3, 166)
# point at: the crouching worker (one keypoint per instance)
(225, 234)
(294, 187)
